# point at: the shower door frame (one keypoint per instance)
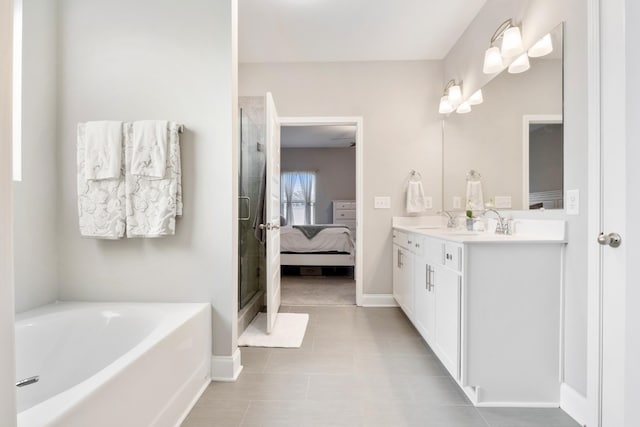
(356, 121)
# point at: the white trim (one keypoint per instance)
(527, 119)
(378, 300)
(594, 217)
(574, 404)
(332, 260)
(358, 122)
(226, 368)
(17, 91)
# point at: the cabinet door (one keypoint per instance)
(397, 274)
(406, 265)
(447, 285)
(424, 293)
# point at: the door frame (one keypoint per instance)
(356, 121)
(527, 119)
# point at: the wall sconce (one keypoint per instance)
(511, 46)
(451, 98)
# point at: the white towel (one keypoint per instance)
(103, 150)
(474, 195)
(101, 203)
(149, 149)
(415, 197)
(153, 204)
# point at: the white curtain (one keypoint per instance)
(307, 181)
(286, 195)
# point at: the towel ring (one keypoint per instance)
(415, 176)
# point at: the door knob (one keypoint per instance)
(612, 239)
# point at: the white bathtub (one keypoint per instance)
(115, 364)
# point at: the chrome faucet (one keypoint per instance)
(503, 226)
(451, 218)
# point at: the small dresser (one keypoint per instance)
(344, 212)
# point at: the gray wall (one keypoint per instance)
(125, 60)
(464, 62)
(546, 158)
(335, 175)
(402, 131)
(7, 327)
(35, 197)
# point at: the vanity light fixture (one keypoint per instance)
(451, 98)
(543, 47)
(476, 98)
(520, 65)
(511, 46)
(463, 108)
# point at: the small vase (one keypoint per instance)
(470, 224)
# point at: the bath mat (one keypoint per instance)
(288, 331)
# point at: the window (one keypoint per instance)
(298, 197)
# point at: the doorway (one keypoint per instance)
(319, 149)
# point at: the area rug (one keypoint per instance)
(288, 331)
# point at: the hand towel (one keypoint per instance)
(103, 150)
(153, 204)
(475, 200)
(101, 203)
(415, 197)
(149, 148)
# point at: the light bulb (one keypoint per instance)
(455, 95)
(512, 43)
(445, 105)
(520, 65)
(543, 47)
(492, 61)
(476, 98)
(463, 108)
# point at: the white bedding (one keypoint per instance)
(331, 239)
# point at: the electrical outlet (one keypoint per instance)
(457, 202)
(382, 202)
(502, 202)
(428, 202)
(573, 202)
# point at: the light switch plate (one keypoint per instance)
(382, 202)
(428, 202)
(573, 202)
(502, 202)
(457, 202)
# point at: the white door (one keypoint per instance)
(447, 285)
(612, 379)
(272, 200)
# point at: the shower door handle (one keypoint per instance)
(248, 199)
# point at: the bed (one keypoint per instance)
(333, 245)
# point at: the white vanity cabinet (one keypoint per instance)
(489, 307)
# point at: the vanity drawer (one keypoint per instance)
(400, 238)
(452, 256)
(344, 214)
(345, 205)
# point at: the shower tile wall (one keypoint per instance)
(252, 268)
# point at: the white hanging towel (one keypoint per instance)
(153, 203)
(415, 197)
(101, 202)
(149, 148)
(103, 150)
(475, 200)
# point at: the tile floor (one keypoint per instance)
(318, 290)
(356, 367)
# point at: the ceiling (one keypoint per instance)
(351, 30)
(317, 136)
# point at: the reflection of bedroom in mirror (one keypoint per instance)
(318, 208)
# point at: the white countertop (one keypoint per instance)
(525, 231)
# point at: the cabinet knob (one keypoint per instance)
(409, 241)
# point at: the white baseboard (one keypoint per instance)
(378, 300)
(226, 368)
(574, 404)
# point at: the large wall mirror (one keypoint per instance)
(513, 141)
